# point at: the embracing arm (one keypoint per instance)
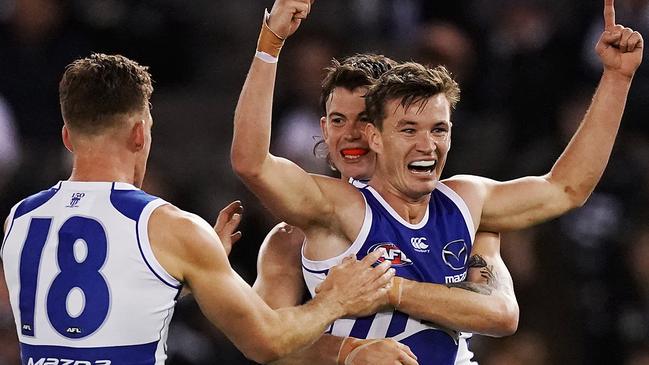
(523, 202)
(191, 252)
(279, 282)
(484, 304)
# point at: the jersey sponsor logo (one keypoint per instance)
(455, 278)
(392, 253)
(55, 361)
(419, 243)
(455, 254)
(75, 199)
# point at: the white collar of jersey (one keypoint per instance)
(93, 185)
(395, 215)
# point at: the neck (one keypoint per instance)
(412, 210)
(102, 166)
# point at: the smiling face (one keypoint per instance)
(413, 145)
(343, 130)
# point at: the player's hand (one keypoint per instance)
(378, 352)
(227, 223)
(356, 287)
(286, 16)
(619, 47)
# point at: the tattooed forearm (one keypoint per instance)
(474, 287)
(477, 262)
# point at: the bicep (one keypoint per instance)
(289, 192)
(521, 203)
(279, 276)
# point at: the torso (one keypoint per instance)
(83, 281)
(434, 250)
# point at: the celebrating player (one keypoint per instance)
(279, 275)
(427, 225)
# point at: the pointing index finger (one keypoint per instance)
(609, 14)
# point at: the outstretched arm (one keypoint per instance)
(192, 253)
(279, 282)
(484, 304)
(527, 201)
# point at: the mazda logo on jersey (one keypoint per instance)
(392, 253)
(455, 254)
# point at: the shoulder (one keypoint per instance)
(284, 236)
(282, 244)
(468, 186)
(182, 240)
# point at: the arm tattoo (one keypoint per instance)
(474, 287)
(486, 272)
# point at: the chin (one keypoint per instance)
(360, 171)
(420, 189)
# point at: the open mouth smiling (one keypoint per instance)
(422, 167)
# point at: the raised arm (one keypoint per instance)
(527, 201)
(288, 191)
(191, 252)
(484, 304)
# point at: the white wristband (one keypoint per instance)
(266, 57)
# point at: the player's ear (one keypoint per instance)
(373, 138)
(323, 127)
(67, 142)
(138, 136)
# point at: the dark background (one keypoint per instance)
(527, 71)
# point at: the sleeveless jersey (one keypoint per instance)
(435, 250)
(84, 285)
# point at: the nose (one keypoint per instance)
(355, 131)
(426, 143)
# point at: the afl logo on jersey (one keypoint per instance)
(392, 253)
(455, 254)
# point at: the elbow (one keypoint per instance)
(265, 353)
(506, 321)
(244, 166)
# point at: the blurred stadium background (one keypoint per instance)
(527, 71)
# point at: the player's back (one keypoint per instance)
(84, 285)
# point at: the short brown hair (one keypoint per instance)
(95, 89)
(409, 82)
(354, 71)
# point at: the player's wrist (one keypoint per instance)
(329, 305)
(346, 347)
(396, 291)
(349, 349)
(269, 43)
(615, 76)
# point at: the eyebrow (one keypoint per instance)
(406, 122)
(338, 114)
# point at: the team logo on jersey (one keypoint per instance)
(392, 253)
(455, 254)
(75, 199)
(419, 243)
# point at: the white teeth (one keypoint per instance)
(351, 157)
(423, 163)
